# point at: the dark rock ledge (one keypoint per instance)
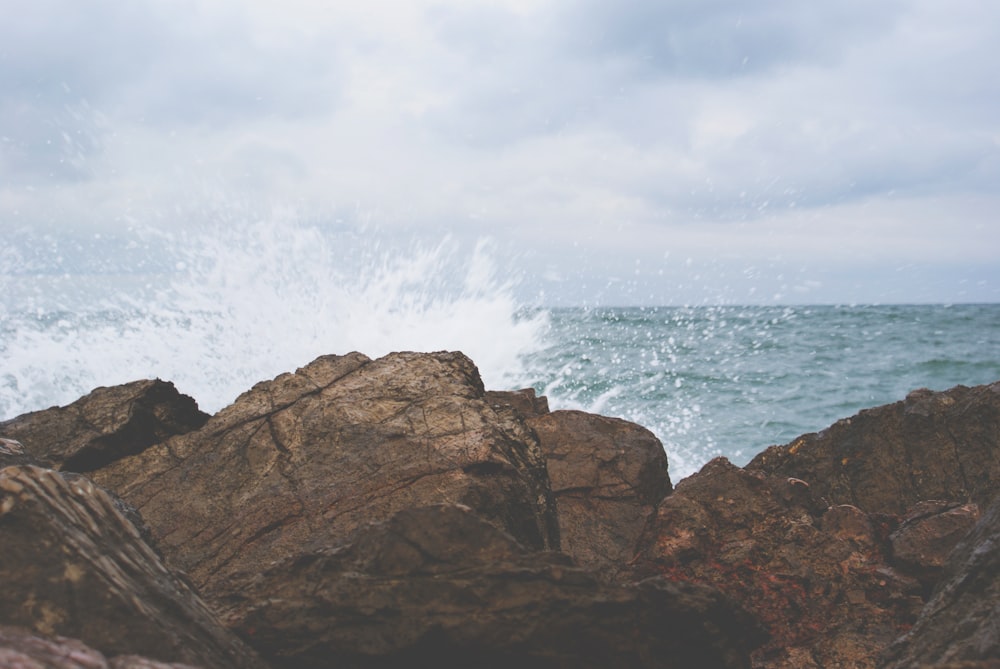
(393, 513)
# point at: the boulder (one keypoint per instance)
(928, 534)
(817, 577)
(931, 446)
(298, 463)
(607, 476)
(105, 425)
(73, 565)
(438, 586)
(959, 625)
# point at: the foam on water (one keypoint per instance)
(246, 302)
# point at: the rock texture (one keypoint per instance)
(297, 464)
(960, 625)
(73, 565)
(607, 476)
(105, 425)
(931, 446)
(22, 649)
(438, 586)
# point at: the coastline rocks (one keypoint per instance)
(105, 425)
(438, 586)
(73, 565)
(607, 477)
(21, 649)
(959, 625)
(298, 463)
(931, 446)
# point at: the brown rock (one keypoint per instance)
(933, 445)
(105, 425)
(73, 565)
(22, 649)
(437, 586)
(524, 401)
(815, 576)
(297, 464)
(607, 476)
(922, 544)
(958, 627)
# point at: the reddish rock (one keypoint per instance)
(928, 535)
(931, 446)
(105, 425)
(524, 401)
(607, 476)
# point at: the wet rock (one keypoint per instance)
(73, 565)
(607, 476)
(931, 446)
(105, 425)
(958, 627)
(297, 464)
(922, 543)
(438, 586)
(817, 577)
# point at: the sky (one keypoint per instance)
(636, 152)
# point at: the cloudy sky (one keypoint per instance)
(642, 151)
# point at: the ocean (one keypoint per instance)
(708, 380)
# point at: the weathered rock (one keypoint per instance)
(437, 586)
(524, 401)
(961, 622)
(922, 543)
(931, 446)
(817, 577)
(607, 476)
(297, 464)
(105, 425)
(12, 453)
(73, 565)
(22, 649)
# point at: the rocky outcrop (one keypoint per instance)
(297, 464)
(959, 625)
(73, 565)
(931, 446)
(438, 586)
(22, 649)
(105, 425)
(607, 477)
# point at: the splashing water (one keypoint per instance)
(243, 304)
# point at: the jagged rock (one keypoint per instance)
(105, 425)
(607, 476)
(73, 565)
(22, 649)
(931, 446)
(922, 543)
(438, 586)
(959, 625)
(817, 577)
(524, 401)
(297, 464)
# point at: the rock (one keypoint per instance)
(817, 577)
(297, 464)
(524, 401)
(958, 627)
(105, 425)
(607, 475)
(438, 586)
(22, 649)
(932, 446)
(12, 453)
(927, 536)
(73, 565)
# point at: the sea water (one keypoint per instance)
(219, 312)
